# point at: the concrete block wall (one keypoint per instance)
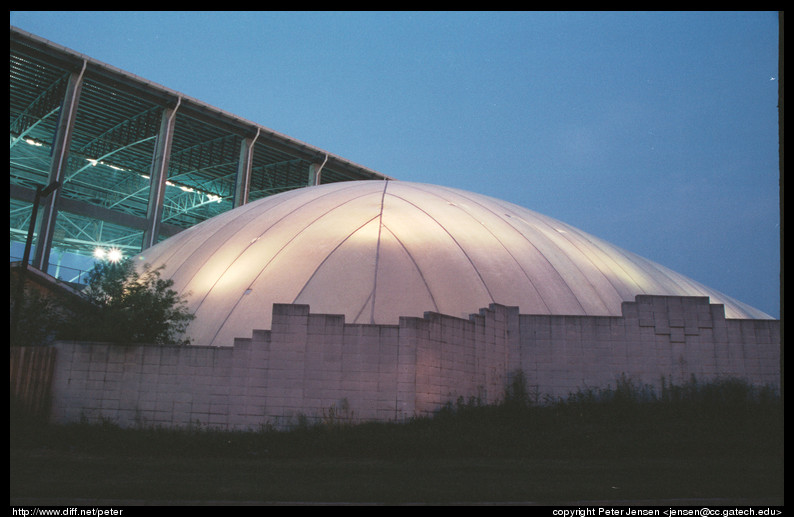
(458, 358)
(658, 337)
(144, 386)
(308, 367)
(315, 367)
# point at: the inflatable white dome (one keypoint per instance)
(378, 250)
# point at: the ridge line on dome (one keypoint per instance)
(327, 257)
(595, 260)
(282, 248)
(377, 255)
(563, 252)
(606, 251)
(221, 228)
(418, 269)
(664, 281)
(242, 252)
(504, 247)
(667, 278)
(692, 287)
(685, 285)
(183, 238)
(602, 257)
(551, 265)
(462, 250)
(363, 306)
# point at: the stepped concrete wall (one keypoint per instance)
(315, 367)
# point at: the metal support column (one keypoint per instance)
(58, 164)
(159, 175)
(315, 170)
(243, 178)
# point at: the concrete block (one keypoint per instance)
(677, 335)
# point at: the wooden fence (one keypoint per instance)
(31, 380)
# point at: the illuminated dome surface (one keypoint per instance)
(378, 250)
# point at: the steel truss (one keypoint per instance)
(100, 133)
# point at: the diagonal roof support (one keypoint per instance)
(60, 155)
(159, 175)
(242, 186)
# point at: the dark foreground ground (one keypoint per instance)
(573, 453)
(44, 478)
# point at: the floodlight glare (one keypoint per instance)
(115, 255)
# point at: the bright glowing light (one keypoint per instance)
(111, 255)
(115, 255)
(92, 162)
(30, 141)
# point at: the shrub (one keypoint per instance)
(33, 316)
(128, 306)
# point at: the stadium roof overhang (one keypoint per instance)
(134, 158)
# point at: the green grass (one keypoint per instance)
(719, 440)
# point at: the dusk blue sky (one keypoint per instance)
(656, 131)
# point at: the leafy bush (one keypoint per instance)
(128, 306)
(34, 316)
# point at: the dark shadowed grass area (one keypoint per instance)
(720, 440)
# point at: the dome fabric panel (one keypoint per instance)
(378, 250)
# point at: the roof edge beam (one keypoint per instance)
(100, 213)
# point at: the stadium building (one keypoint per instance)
(133, 161)
(321, 287)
